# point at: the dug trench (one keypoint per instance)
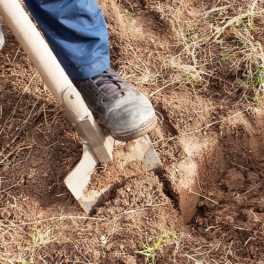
(205, 162)
(216, 184)
(215, 181)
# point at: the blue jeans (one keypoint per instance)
(76, 32)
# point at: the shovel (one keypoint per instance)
(98, 145)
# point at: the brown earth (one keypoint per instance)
(202, 71)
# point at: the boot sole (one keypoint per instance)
(135, 133)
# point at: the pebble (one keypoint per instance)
(5, 214)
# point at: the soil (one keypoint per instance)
(204, 205)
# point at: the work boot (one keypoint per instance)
(123, 110)
(2, 39)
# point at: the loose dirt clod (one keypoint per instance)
(4, 214)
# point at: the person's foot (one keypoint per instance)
(123, 110)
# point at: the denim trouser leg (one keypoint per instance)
(76, 32)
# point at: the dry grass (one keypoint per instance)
(23, 237)
(34, 241)
(216, 50)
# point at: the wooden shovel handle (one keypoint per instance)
(36, 47)
(54, 75)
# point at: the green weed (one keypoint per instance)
(150, 250)
(256, 100)
(223, 54)
(40, 238)
(251, 26)
(25, 262)
(240, 20)
(239, 81)
(258, 77)
(129, 15)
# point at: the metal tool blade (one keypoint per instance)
(78, 179)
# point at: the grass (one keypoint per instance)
(192, 62)
(129, 15)
(39, 239)
(151, 250)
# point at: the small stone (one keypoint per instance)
(5, 214)
(5, 249)
(233, 180)
(199, 221)
(253, 177)
(45, 174)
(2, 239)
(128, 260)
(8, 236)
(108, 247)
(230, 219)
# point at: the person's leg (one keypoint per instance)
(76, 32)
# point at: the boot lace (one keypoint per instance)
(109, 84)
